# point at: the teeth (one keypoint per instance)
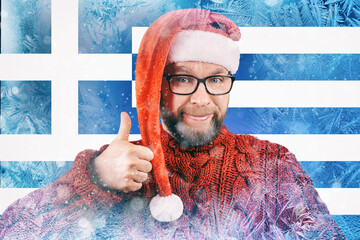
(202, 117)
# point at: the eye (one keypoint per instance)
(182, 79)
(216, 80)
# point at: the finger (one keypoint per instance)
(125, 126)
(143, 166)
(139, 177)
(144, 153)
(133, 186)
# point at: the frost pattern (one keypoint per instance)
(99, 23)
(31, 174)
(344, 174)
(26, 26)
(320, 67)
(276, 13)
(349, 224)
(105, 26)
(100, 105)
(25, 107)
(293, 120)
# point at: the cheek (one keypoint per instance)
(170, 102)
(222, 103)
(174, 102)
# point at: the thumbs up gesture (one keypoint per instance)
(123, 166)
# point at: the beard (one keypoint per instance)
(187, 136)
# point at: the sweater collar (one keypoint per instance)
(187, 162)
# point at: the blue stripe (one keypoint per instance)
(25, 107)
(36, 174)
(26, 27)
(114, 36)
(299, 67)
(302, 67)
(33, 174)
(293, 120)
(340, 174)
(349, 224)
(100, 105)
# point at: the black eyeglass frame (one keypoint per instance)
(199, 80)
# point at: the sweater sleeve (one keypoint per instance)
(49, 211)
(80, 181)
(301, 211)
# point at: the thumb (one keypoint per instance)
(125, 126)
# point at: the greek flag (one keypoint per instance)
(67, 71)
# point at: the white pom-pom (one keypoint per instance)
(166, 209)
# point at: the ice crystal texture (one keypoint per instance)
(25, 26)
(25, 107)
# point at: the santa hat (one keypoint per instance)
(182, 35)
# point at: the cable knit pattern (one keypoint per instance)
(235, 187)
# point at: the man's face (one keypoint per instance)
(195, 119)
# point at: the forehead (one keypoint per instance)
(195, 67)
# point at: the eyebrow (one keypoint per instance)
(216, 71)
(219, 71)
(182, 68)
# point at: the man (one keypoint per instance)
(231, 186)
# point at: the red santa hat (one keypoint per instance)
(182, 35)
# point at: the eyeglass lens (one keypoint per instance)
(188, 84)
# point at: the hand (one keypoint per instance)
(123, 166)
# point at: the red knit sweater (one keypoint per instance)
(238, 186)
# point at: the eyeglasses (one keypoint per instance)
(188, 84)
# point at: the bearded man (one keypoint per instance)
(210, 182)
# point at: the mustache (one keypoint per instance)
(196, 111)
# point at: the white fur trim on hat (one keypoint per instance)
(202, 46)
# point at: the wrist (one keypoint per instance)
(94, 177)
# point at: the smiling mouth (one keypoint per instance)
(198, 117)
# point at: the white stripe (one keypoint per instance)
(62, 148)
(291, 94)
(56, 147)
(300, 40)
(340, 201)
(288, 39)
(295, 94)
(133, 94)
(325, 147)
(65, 67)
(137, 34)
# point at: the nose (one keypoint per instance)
(200, 97)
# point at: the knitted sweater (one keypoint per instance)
(236, 187)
